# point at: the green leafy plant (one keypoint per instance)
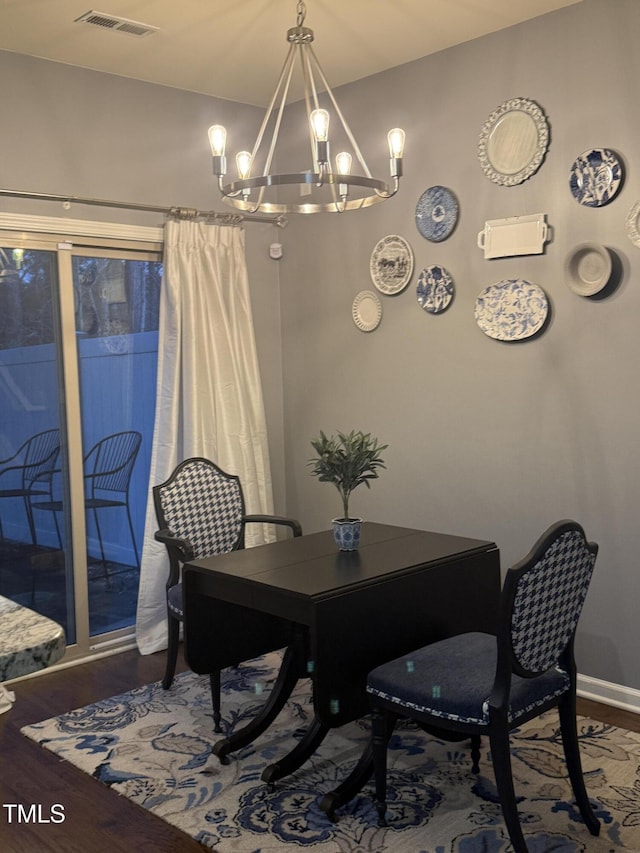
(347, 461)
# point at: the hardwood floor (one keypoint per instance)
(97, 819)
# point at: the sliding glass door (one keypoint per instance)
(116, 322)
(35, 567)
(78, 358)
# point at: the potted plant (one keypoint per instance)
(347, 461)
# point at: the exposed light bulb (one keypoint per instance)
(396, 150)
(217, 139)
(343, 163)
(243, 162)
(320, 125)
(396, 142)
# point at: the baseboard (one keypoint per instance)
(99, 650)
(627, 698)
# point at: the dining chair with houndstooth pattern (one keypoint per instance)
(201, 513)
(475, 683)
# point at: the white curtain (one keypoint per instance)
(209, 397)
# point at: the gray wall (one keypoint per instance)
(486, 439)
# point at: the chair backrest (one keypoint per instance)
(40, 457)
(544, 594)
(202, 504)
(109, 464)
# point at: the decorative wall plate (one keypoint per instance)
(435, 289)
(367, 310)
(511, 310)
(588, 268)
(633, 224)
(436, 213)
(391, 264)
(513, 142)
(515, 235)
(595, 177)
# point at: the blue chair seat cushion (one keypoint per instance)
(453, 678)
(174, 601)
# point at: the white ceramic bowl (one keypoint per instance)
(588, 268)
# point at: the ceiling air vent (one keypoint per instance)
(111, 22)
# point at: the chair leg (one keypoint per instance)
(382, 724)
(214, 678)
(99, 532)
(104, 559)
(57, 525)
(501, 758)
(569, 731)
(32, 524)
(172, 652)
(475, 753)
(133, 537)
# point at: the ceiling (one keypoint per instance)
(234, 49)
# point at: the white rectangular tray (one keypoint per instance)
(515, 235)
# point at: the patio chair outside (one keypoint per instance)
(108, 467)
(29, 471)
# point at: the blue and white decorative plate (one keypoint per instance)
(511, 310)
(391, 264)
(436, 213)
(595, 177)
(435, 289)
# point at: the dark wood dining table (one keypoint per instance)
(339, 615)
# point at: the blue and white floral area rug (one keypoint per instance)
(153, 746)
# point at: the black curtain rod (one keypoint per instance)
(176, 212)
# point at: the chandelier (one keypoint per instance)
(320, 188)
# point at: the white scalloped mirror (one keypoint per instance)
(513, 142)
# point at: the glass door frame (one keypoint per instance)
(69, 238)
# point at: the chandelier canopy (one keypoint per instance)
(322, 187)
